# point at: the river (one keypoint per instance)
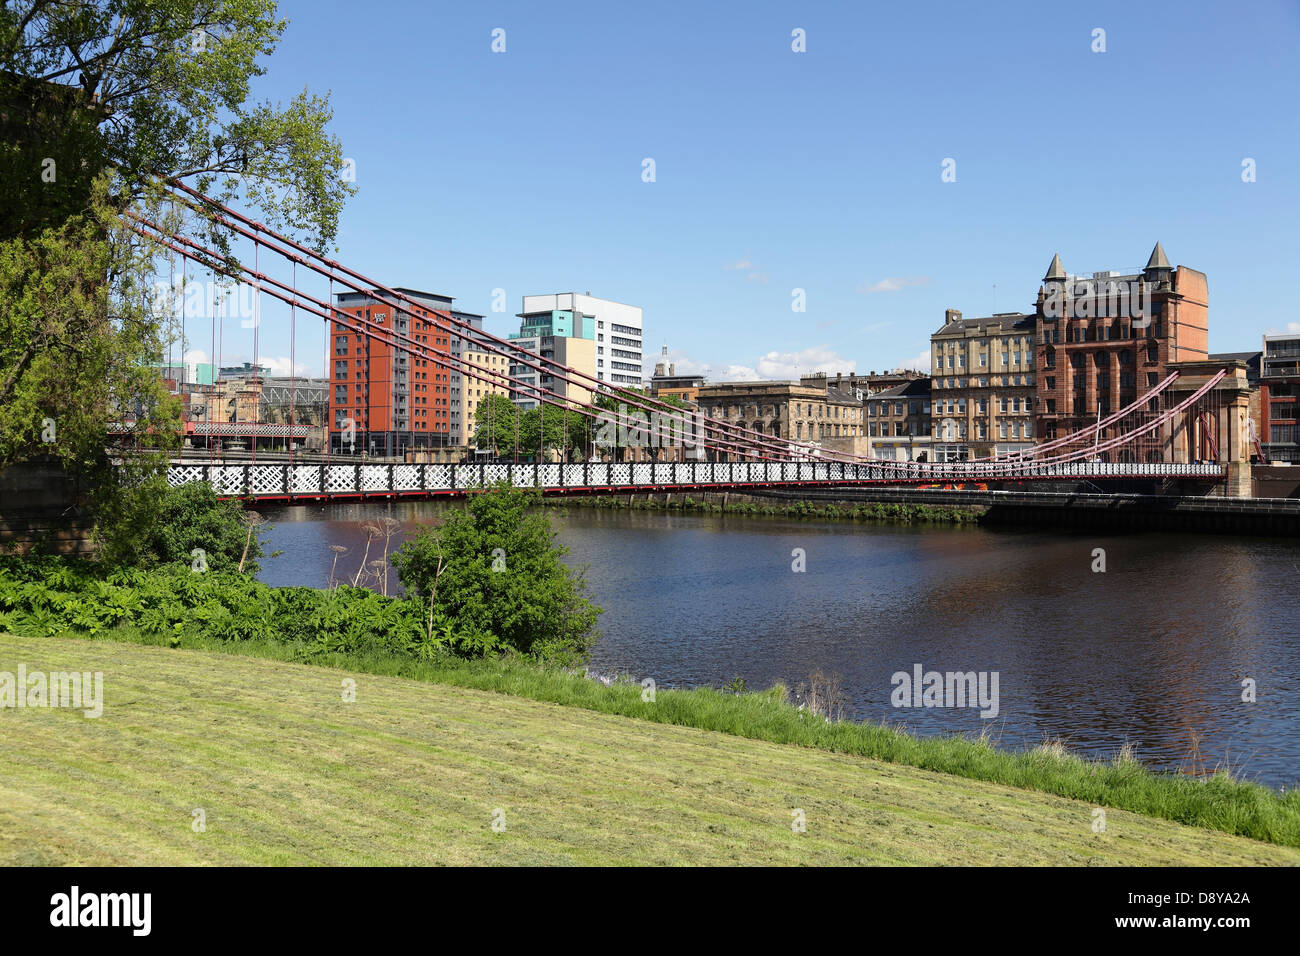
(1151, 652)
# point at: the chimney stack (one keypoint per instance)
(951, 315)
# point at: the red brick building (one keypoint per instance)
(394, 401)
(1104, 339)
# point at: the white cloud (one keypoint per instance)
(791, 365)
(774, 366)
(682, 363)
(279, 366)
(919, 363)
(735, 373)
(746, 265)
(893, 284)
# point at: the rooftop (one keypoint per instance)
(916, 388)
(1002, 321)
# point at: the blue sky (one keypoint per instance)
(821, 170)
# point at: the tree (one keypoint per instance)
(100, 101)
(165, 88)
(497, 420)
(540, 428)
(617, 409)
(192, 517)
(498, 571)
(77, 331)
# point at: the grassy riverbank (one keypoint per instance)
(738, 505)
(1218, 803)
(414, 772)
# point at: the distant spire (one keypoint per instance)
(1158, 258)
(1055, 270)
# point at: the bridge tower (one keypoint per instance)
(1219, 430)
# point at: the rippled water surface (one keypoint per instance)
(1152, 652)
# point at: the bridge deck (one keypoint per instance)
(281, 480)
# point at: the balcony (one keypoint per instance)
(1276, 369)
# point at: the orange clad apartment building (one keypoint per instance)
(383, 400)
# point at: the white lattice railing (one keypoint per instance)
(308, 481)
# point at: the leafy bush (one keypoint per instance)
(51, 595)
(495, 569)
(190, 517)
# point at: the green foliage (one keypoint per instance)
(99, 100)
(178, 520)
(496, 419)
(501, 575)
(735, 686)
(536, 606)
(40, 596)
(503, 427)
(77, 331)
(168, 90)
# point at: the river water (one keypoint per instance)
(1152, 652)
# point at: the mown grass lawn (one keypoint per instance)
(412, 773)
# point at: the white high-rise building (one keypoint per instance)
(614, 328)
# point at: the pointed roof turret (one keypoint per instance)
(1055, 270)
(1158, 258)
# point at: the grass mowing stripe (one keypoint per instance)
(412, 772)
(1218, 803)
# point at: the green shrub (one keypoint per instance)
(494, 568)
(189, 517)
